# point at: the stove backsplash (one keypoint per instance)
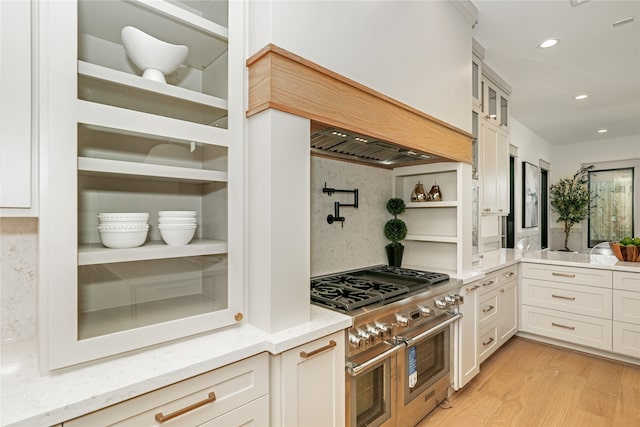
(361, 241)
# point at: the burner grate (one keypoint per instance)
(427, 276)
(348, 293)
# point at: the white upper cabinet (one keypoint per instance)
(494, 170)
(18, 157)
(118, 142)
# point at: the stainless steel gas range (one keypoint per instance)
(398, 350)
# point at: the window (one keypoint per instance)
(612, 213)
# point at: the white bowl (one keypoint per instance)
(123, 227)
(123, 239)
(177, 236)
(177, 220)
(123, 216)
(182, 214)
(116, 221)
(156, 57)
(177, 226)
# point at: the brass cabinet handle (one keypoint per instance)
(488, 342)
(563, 297)
(162, 418)
(473, 288)
(304, 354)
(484, 310)
(509, 274)
(563, 274)
(489, 283)
(573, 328)
(486, 210)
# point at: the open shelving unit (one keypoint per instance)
(118, 142)
(439, 232)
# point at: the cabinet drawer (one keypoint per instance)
(626, 281)
(488, 284)
(255, 413)
(487, 342)
(626, 339)
(586, 300)
(626, 306)
(580, 276)
(233, 385)
(584, 330)
(488, 309)
(497, 278)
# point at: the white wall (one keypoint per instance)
(531, 148)
(418, 52)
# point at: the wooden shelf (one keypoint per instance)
(145, 170)
(95, 253)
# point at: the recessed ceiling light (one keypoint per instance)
(583, 96)
(548, 43)
(602, 130)
(575, 3)
(623, 21)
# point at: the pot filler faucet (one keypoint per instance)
(336, 206)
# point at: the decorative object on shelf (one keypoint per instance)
(177, 228)
(530, 195)
(395, 230)
(435, 195)
(419, 195)
(628, 249)
(570, 199)
(121, 230)
(155, 57)
(337, 205)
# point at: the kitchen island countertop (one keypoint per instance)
(29, 399)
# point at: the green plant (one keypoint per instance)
(570, 199)
(395, 229)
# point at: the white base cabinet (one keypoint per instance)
(626, 313)
(490, 318)
(308, 384)
(568, 303)
(234, 395)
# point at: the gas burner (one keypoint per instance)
(342, 297)
(428, 276)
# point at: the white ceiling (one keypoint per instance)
(593, 57)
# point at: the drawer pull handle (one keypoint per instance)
(563, 274)
(488, 342)
(489, 283)
(484, 310)
(509, 274)
(304, 354)
(563, 297)
(573, 328)
(162, 418)
(473, 288)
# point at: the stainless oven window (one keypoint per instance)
(372, 395)
(426, 362)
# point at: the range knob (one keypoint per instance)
(356, 341)
(367, 337)
(426, 311)
(384, 329)
(442, 303)
(402, 320)
(453, 300)
(376, 333)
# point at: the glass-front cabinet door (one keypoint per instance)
(141, 233)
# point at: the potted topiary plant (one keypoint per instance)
(395, 230)
(570, 199)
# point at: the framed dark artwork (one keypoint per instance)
(530, 195)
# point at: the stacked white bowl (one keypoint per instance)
(119, 230)
(177, 228)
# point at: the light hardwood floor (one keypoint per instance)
(526, 383)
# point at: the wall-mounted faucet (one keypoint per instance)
(336, 206)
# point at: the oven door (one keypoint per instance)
(371, 390)
(424, 370)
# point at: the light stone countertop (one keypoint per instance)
(29, 399)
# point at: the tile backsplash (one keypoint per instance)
(360, 242)
(18, 277)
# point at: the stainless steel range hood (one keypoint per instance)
(350, 146)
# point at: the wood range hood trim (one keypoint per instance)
(284, 81)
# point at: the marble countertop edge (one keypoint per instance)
(30, 399)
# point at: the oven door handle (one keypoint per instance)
(435, 329)
(354, 369)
